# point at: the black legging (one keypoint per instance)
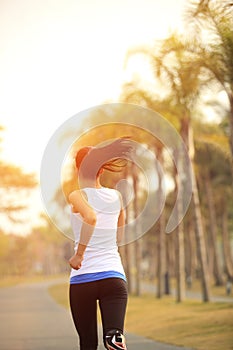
(112, 295)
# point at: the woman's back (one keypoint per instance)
(101, 252)
(106, 204)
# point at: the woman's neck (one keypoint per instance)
(90, 183)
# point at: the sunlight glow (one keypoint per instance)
(64, 56)
(61, 57)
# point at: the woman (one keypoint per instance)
(98, 223)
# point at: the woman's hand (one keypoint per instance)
(76, 261)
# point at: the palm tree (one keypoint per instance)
(173, 66)
(226, 241)
(206, 154)
(216, 184)
(214, 52)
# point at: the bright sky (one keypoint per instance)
(59, 57)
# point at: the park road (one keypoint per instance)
(31, 320)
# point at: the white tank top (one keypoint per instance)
(101, 253)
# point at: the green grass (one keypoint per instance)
(194, 324)
(191, 323)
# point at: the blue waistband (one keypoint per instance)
(96, 276)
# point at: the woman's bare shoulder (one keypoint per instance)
(77, 195)
(78, 201)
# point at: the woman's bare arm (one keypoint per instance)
(121, 223)
(80, 205)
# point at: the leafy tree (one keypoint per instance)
(14, 187)
(172, 64)
(214, 180)
(213, 27)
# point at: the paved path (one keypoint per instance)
(31, 320)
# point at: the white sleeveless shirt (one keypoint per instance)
(101, 254)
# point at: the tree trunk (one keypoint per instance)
(167, 289)
(172, 255)
(226, 244)
(161, 258)
(231, 123)
(138, 242)
(187, 134)
(213, 231)
(152, 254)
(180, 253)
(209, 247)
(180, 269)
(127, 248)
(161, 233)
(190, 256)
(201, 244)
(180, 260)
